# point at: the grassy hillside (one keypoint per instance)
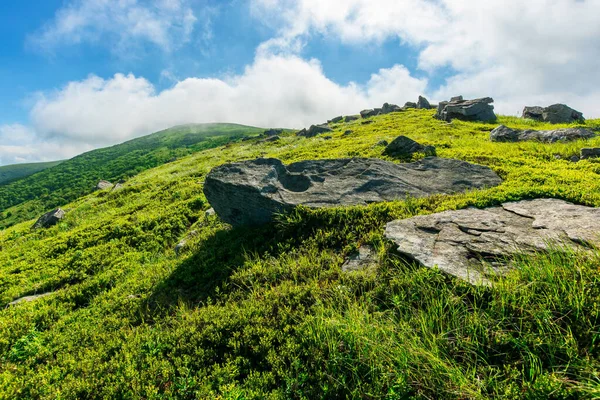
(254, 313)
(78, 176)
(10, 173)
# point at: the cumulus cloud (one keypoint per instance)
(534, 52)
(122, 24)
(274, 91)
(19, 144)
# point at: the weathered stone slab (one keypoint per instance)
(473, 243)
(505, 134)
(251, 192)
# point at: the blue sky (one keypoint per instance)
(81, 74)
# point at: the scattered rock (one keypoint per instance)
(348, 132)
(404, 147)
(369, 113)
(382, 143)
(180, 246)
(49, 219)
(251, 192)
(327, 137)
(554, 114)
(505, 134)
(410, 104)
(370, 121)
(269, 139)
(117, 187)
(103, 185)
(423, 103)
(273, 132)
(315, 130)
(574, 159)
(365, 257)
(591, 152)
(390, 108)
(535, 113)
(350, 118)
(336, 120)
(466, 110)
(210, 212)
(27, 299)
(465, 243)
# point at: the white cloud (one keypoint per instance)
(120, 24)
(274, 91)
(19, 144)
(533, 52)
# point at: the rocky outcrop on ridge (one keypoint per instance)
(505, 134)
(554, 114)
(252, 192)
(473, 243)
(314, 130)
(466, 110)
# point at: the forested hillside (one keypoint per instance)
(9, 173)
(73, 178)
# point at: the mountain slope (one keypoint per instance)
(255, 313)
(78, 176)
(10, 173)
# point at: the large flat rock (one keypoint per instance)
(251, 192)
(473, 243)
(505, 134)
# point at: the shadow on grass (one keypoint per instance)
(198, 277)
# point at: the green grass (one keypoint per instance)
(23, 199)
(253, 313)
(10, 173)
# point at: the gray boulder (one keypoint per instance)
(473, 243)
(404, 147)
(315, 130)
(336, 120)
(592, 152)
(535, 113)
(390, 108)
(350, 118)
(49, 219)
(348, 133)
(364, 258)
(273, 132)
(103, 185)
(370, 113)
(409, 105)
(252, 192)
(554, 114)
(505, 134)
(466, 110)
(423, 103)
(269, 139)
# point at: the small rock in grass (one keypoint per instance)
(365, 257)
(592, 152)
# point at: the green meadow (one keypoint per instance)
(266, 313)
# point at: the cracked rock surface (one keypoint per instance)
(251, 192)
(473, 243)
(505, 134)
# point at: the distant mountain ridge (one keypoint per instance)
(11, 173)
(78, 176)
